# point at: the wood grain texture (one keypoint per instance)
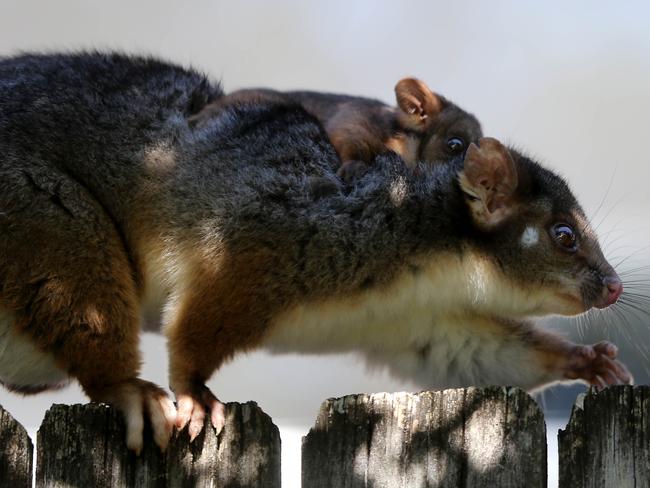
(16, 453)
(83, 445)
(471, 437)
(607, 440)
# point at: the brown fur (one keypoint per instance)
(490, 177)
(77, 298)
(240, 96)
(227, 308)
(404, 145)
(418, 103)
(354, 138)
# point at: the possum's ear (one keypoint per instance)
(489, 181)
(418, 102)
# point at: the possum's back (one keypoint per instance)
(90, 96)
(88, 116)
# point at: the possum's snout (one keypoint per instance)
(612, 290)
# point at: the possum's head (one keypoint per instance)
(546, 256)
(445, 130)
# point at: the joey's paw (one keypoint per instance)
(135, 398)
(351, 171)
(597, 365)
(192, 407)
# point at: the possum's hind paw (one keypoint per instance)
(597, 365)
(135, 398)
(192, 406)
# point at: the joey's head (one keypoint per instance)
(527, 223)
(444, 130)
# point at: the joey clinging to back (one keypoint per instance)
(423, 127)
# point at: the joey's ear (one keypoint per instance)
(489, 181)
(419, 104)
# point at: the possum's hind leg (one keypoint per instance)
(225, 309)
(68, 285)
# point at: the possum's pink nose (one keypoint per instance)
(614, 290)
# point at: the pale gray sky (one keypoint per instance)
(567, 81)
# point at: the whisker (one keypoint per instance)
(634, 270)
(610, 320)
(637, 281)
(641, 348)
(634, 294)
(635, 308)
(633, 297)
(627, 294)
(620, 200)
(609, 187)
(581, 323)
(631, 255)
(637, 287)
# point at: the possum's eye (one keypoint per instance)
(565, 236)
(456, 145)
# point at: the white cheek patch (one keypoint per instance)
(529, 237)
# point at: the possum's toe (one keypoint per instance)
(135, 398)
(192, 407)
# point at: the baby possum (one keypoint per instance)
(424, 126)
(110, 202)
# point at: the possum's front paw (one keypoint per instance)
(597, 365)
(135, 398)
(192, 405)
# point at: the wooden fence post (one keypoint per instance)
(83, 445)
(16, 453)
(471, 437)
(607, 440)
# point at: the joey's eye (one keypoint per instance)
(565, 236)
(455, 145)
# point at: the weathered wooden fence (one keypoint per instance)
(489, 437)
(607, 440)
(16, 453)
(469, 437)
(83, 446)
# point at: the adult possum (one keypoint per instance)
(110, 200)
